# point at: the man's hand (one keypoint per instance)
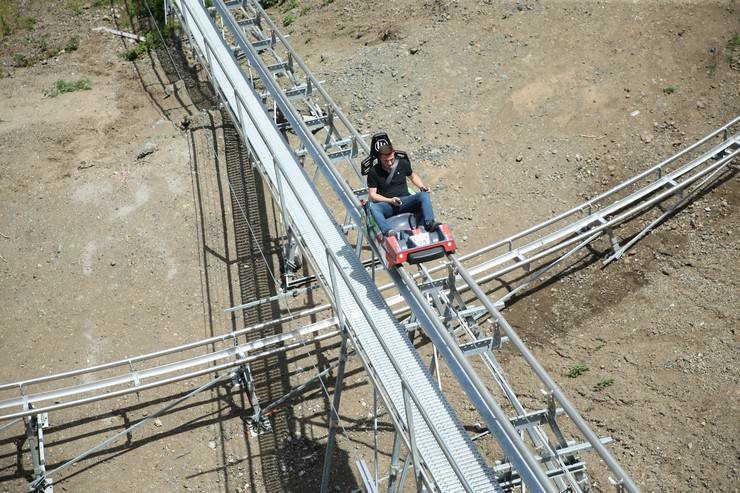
(396, 201)
(424, 188)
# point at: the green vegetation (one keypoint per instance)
(5, 28)
(268, 3)
(171, 29)
(603, 383)
(733, 44)
(669, 89)
(105, 3)
(577, 370)
(42, 44)
(711, 68)
(140, 8)
(11, 20)
(288, 20)
(144, 47)
(327, 2)
(305, 10)
(63, 86)
(291, 5)
(72, 44)
(732, 51)
(601, 344)
(21, 60)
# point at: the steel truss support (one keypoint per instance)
(292, 257)
(35, 426)
(334, 415)
(456, 316)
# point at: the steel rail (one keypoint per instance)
(309, 75)
(341, 187)
(595, 200)
(616, 220)
(41, 480)
(407, 388)
(134, 377)
(167, 381)
(474, 388)
(164, 352)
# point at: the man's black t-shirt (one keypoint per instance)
(377, 176)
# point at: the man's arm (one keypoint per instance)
(372, 193)
(416, 180)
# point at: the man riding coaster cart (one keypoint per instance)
(402, 222)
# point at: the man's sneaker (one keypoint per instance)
(390, 232)
(431, 226)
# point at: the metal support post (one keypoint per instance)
(375, 436)
(404, 473)
(292, 254)
(334, 415)
(267, 410)
(393, 466)
(414, 452)
(35, 424)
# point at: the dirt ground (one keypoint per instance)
(117, 236)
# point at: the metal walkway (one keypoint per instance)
(443, 445)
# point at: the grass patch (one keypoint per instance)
(42, 44)
(601, 344)
(305, 10)
(63, 86)
(171, 29)
(105, 3)
(577, 370)
(72, 44)
(669, 89)
(21, 60)
(603, 383)
(5, 29)
(29, 23)
(11, 21)
(288, 20)
(732, 51)
(291, 5)
(734, 43)
(141, 49)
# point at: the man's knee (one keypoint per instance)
(380, 208)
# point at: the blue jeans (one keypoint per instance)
(417, 203)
